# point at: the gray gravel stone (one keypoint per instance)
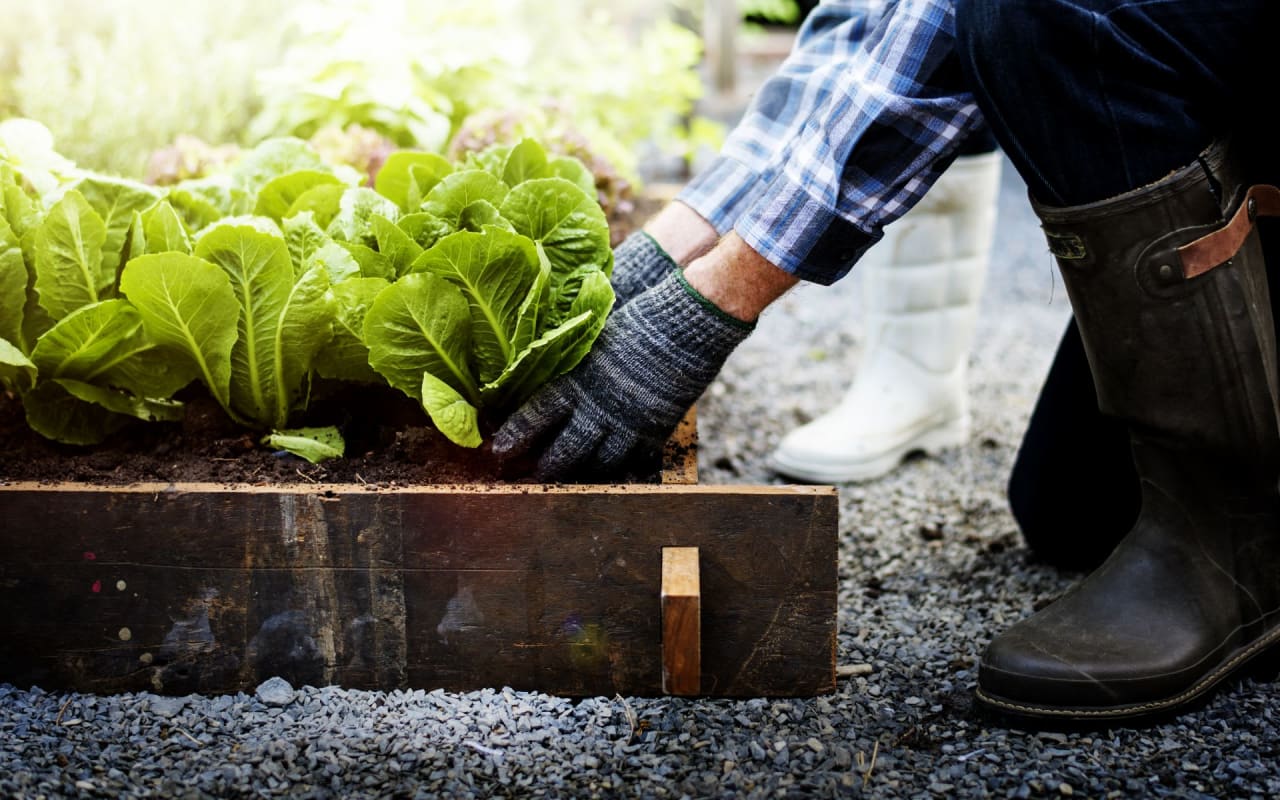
(275, 692)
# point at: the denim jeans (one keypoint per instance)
(1090, 99)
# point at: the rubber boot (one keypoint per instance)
(1188, 362)
(921, 291)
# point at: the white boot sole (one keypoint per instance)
(953, 433)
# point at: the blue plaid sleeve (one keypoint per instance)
(851, 132)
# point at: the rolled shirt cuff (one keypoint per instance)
(722, 192)
(801, 235)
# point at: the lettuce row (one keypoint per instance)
(465, 286)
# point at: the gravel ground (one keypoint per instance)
(931, 567)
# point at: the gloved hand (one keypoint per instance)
(638, 263)
(653, 360)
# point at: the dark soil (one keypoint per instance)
(389, 441)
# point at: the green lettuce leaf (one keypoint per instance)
(68, 256)
(164, 229)
(187, 305)
(566, 221)
(272, 159)
(536, 364)
(495, 271)
(19, 209)
(115, 200)
(323, 201)
(457, 419)
(278, 196)
(407, 176)
(281, 323)
(574, 171)
(13, 285)
(17, 373)
(459, 190)
(526, 161)
(372, 264)
(303, 236)
(88, 341)
(55, 413)
(123, 403)
(397, 246)
(346, 356)
(421, 323)
(425, 229)
(481, 214)
(337, 261)
(354, 222)
(313, 444)
(202, 202)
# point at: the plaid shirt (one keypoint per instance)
(851, 131)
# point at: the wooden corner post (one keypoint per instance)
(681, 621)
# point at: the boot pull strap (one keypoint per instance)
(1212, 249)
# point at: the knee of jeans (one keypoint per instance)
(993, 35)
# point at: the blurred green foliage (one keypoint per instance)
(116, 81)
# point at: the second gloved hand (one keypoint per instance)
(653, 360)
(638, 263)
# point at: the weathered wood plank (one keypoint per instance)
(555, 588)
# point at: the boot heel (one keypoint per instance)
(949, 434)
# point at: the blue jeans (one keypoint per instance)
(1090, 99)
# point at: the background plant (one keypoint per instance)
(414, 72)
(116, 80)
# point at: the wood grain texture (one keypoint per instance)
(213, 588)
(681, 621)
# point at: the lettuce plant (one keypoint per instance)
(463, 286)
(511, 291)
(69, 344)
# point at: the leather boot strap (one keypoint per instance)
(1212, 249)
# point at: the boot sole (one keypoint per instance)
(950, 434)
(1155, 710)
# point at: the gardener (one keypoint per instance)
(1115, 115)
(921, 284)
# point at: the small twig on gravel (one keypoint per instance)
(305, 475)
(58, 719)
(866, 776)
(489, 751)
(193, 739)
(853, 670)
(366, 483)
(631, 718)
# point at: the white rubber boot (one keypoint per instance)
(921, 287)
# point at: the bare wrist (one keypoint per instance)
(737, 279)
(681, 232)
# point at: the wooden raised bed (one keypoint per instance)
(179, 588)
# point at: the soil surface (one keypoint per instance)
(389, 440)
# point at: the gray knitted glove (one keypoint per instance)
(638, 263)
(653, 360)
